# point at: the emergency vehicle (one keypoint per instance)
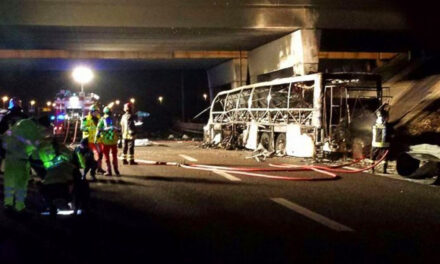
(69, 109)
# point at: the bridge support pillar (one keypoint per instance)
(228, 75)
(295, 54)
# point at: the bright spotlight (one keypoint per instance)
(160, 98)
(32, 102)
(82, 74)
(132, 100)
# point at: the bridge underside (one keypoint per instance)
(196, 34)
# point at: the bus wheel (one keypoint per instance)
(406, 165)
(280, 144)
(266, 141)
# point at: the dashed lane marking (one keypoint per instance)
(226, 175)
(312, 215)
(188, 157)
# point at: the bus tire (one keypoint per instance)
(280, 143)
(406, 165)
(267, 141)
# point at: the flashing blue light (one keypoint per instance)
(61, 117)
(52, 118)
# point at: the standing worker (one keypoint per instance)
(20, 142)
(128, 130)
(108, 133)
(88, 127)
(14, 114)
(380, 143)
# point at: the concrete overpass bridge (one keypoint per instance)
(227, 38)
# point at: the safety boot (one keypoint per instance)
(117, 173)
(100, 171)
(108, 173)
(125, 162)
(132, 162)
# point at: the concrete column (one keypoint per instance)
(299, 50)
(232, 72)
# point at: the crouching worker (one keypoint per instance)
(84, 160)
(19, 142)
(62, 182)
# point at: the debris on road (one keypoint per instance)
(261, 152)
(143, 142)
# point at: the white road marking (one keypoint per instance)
(312, 215)
(226, 175)
(188, 157)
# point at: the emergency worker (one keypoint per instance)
(88, 127)
(128, 131)
(20, 142)
(14, 114)
(380, 143)
(59, 172)
(83, 159)
(108, 133)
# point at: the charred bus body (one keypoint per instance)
(301, 116)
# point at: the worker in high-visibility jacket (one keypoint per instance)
(14, 114)
(20, 142)
(108, 133)
(128, 131)
(59, 178)
(88, 127)
(380, 138)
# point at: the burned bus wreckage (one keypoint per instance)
(303, 116)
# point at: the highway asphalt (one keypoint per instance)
(168, 214)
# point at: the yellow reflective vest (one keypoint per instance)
(106, 131)
(22, 139)
(89, 127)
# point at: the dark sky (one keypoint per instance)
(41, 84)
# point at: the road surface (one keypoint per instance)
(167, 214)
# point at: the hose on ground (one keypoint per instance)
(328, 171)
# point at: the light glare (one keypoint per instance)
(82, 74)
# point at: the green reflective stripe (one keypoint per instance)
(8, 201)
(81, 159)
(19, 205)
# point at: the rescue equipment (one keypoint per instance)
(328, 171)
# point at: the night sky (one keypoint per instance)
(42, 80)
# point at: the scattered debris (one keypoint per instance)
(261, 153)
(425, 152)
(143, 142)
(428, 170)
